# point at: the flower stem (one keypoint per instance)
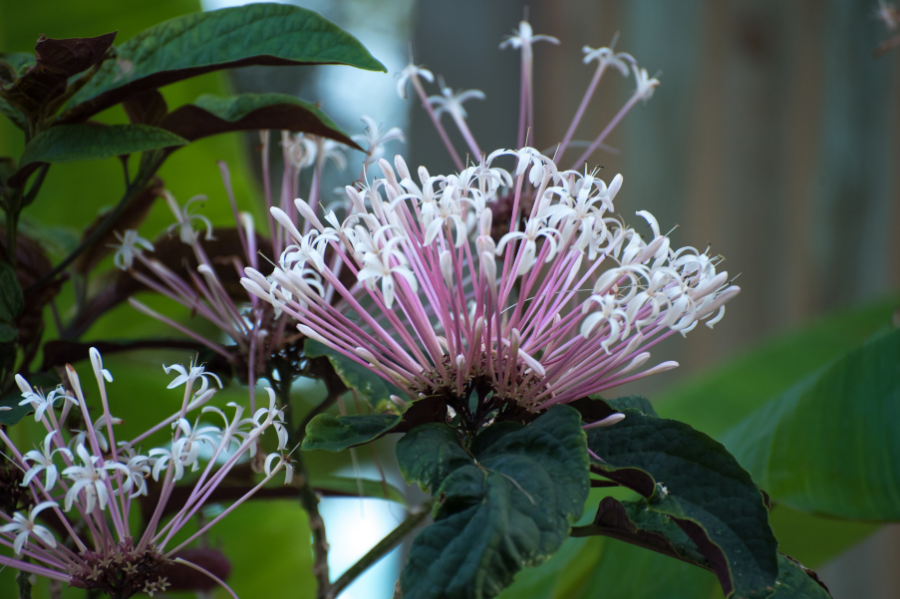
(309, 501)
(22, 579)
(385, 546)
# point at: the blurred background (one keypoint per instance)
(774, 137)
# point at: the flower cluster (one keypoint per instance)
(72, 522)
(563, 306)
(206, 282)
(561, 302)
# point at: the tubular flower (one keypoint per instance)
(91, 488)
(560, 301)
(564, 305)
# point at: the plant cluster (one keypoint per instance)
(486, 315)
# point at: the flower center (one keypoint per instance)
(122, 571)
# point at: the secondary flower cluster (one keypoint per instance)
(72, 523)
(562, 305)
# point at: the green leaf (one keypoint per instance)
(428, 453)
(19, 61)
(692, 478)
(797, 582)
(636, 522)
(718, 401)
(212, 115)
(187, 46)
(15, 413)
(68, 143)
(337, 433)
(356, 376)
(13, 114)
(632, 402)
(829, 445)
(503, 508)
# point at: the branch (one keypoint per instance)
(133, 190)
(385, 546)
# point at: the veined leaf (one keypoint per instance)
(637, 523)
(187, 46)
(212, 115)
(504, 507)
(693, 479)
(68, 143)
(797, 582)
(356, 376)
(829, 445)
(337, 433)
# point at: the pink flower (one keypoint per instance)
(561, 302)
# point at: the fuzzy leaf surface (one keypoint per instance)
(504, 507)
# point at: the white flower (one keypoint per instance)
(375, 137)
(888, 14)
(127, 248)
(137, 467)
(645, 84)
(301, 149)
(232, 432)
(525, 37)
(606, 57)
(26, 527)
(91, 478)
(383, 264)
(43, 461)
(187, 376)
(411, 71)
(274, 417)
(331, 150)
(185, 217)
(452, 103)
(282, 461)
(533, 230)
(187, 447)
(38, 401)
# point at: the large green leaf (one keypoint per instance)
(504, 507)
(337, 433)
(356, 376)
(212, 115)
(717, 401)
(69, 143)
(603, 568)
(693, 479)
(258, 34)
(829, 444)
